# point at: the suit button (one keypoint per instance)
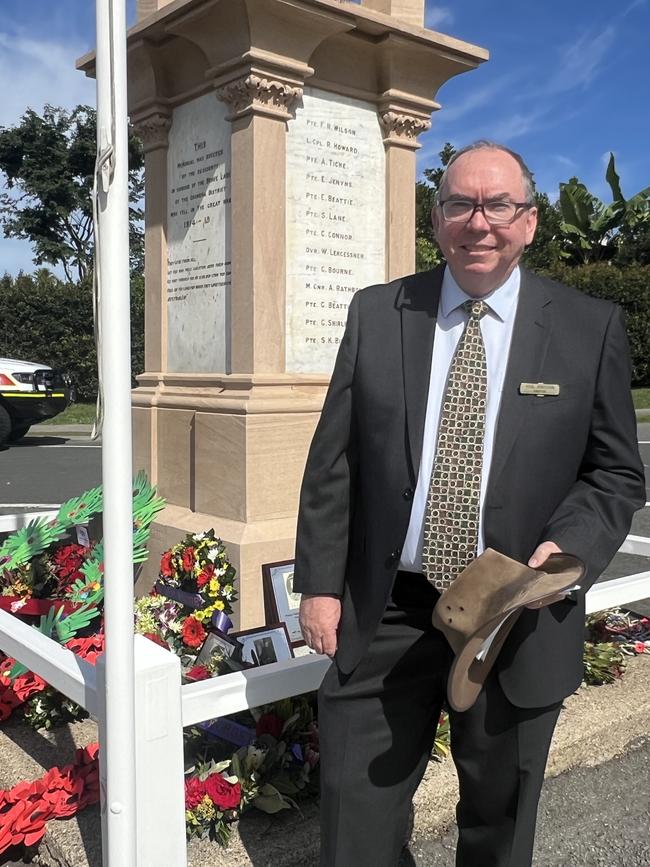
(396, 554)
(407, 493)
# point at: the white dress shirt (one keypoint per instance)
(496, 328)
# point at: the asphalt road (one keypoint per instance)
(588, 817)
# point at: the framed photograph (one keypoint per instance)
(264, 645)
(215, 642)
(281, 603)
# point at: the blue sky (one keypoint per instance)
(565, 84)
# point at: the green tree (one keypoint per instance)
(427, 252)
(547, 244)
(48, 161)
(591, 228)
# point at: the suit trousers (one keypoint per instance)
(377, 726)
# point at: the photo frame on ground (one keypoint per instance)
(215, 641)
(281, 603)
(229, 649)
(264, 645)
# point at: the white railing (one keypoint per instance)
(163, 706)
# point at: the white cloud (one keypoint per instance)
(436, 16)
(582, 60)
(515, 125)
(35, 72)
(479, 98)
(40, 71)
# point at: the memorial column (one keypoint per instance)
(260, 106)
(401, 129)
(153, 128)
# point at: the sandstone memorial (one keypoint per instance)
(280, 140)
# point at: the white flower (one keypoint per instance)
(213, 554)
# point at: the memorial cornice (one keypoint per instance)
(404, 116)
(255, 93)
(403, 129)
(153, 129)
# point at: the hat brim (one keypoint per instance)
(467, 675)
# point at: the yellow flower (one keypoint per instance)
(200, 615)
(214, 586)
(206, 809)
(218, 605)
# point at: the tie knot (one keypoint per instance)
(476, 309)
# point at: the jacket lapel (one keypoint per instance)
(528, 349)
(418, 301)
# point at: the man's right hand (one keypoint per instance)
(319, 622)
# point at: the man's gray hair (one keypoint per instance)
(484, 144)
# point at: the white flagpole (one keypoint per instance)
(112, 275)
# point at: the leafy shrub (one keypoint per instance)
(45, 320)
(629, 287)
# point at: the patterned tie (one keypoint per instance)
(452, 513)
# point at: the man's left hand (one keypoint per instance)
(539, 557)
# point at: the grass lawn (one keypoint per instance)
(84, 413)
(76, 413)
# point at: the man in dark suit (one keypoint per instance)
(533, 381)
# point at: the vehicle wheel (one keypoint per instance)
(5, 426)
(18, 431)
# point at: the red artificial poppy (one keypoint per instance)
(194, 792)
(193, 632)
(224, 795)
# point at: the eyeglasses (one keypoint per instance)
(497, 213)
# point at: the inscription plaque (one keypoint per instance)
(198, 238)
(335, 222)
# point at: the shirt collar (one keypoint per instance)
(501, 301)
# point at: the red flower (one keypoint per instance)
(639, 646)
(224, 795)
(188, 559)
(199, 672)
(270, 724)
(166, 568)
(193, 632)
(205, 575)
(194, 792)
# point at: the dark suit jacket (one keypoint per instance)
(565, 468)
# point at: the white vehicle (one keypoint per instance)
(29, 393)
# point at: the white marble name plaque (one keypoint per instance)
(198, 238)
(335, 222)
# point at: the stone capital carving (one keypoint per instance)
(153, 130)
(256, 93)
(403, 128)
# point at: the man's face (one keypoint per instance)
(482, 256)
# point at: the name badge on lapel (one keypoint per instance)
(539, 389)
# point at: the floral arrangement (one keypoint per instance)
(42, 706)
(269, 771)
(61, 792)
(197, 573)
(614, 635)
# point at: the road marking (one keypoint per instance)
(30, 505)
(27, 445)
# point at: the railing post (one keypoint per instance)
(160, 794)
